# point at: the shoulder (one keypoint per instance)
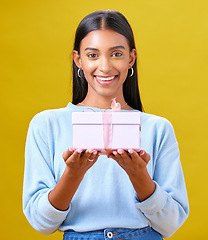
(159, 132)
(155, 120)
(159, 126)
(51, 115)
(46, 115)
(51, 118)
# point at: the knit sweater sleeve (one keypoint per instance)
(39, 179)
(167, 208)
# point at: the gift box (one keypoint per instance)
(106, 131)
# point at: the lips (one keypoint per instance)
(109, 78)
(105, 80)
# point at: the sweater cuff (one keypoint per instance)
(155, 202)
(49, 212)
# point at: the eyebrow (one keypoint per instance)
(95, 49)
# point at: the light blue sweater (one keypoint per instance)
(105, 197)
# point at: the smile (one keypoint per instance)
(105, 80)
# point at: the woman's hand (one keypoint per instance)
(131, 161)
(79, 161)
(77, 164)
(135, 166)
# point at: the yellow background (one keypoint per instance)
(36, 42)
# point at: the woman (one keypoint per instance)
(125, 195)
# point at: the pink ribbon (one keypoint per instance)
(107, 124)
(107, 130)
(116, 107)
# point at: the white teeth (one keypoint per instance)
(106, 78)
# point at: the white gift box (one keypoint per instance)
(106, 131)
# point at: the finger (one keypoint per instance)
(95, 155)
(75, 155)
(111, 155)
(66, 154)
(118, 156)
(145, 156)
(134, 155)
(124, 155)
(142, 154)
(92, 158)
(86, 155)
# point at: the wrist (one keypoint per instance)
(142, 183)
(139, 174)
(72, 175)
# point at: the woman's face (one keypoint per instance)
(105, 58)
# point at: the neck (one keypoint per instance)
(102, 102)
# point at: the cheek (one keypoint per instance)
(88, 67)
(123, 68)
(122, 64)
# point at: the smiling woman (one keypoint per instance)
(105, 59)
(124, 195)
(121, 40)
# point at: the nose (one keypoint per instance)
(104, 64)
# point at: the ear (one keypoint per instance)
(132, 58)
(77, 59)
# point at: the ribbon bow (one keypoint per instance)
(116, 106)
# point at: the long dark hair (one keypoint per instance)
(115, 21)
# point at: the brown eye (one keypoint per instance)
(117, 54)
(92, 55)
